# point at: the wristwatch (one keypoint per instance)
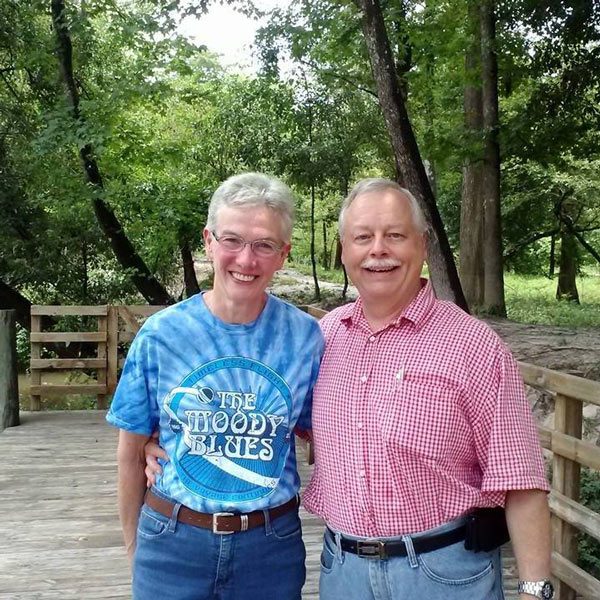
(540, 589)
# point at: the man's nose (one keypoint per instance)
(378, 245)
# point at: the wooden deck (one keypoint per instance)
(59, 531)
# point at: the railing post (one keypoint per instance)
(112, 348)
(568, 418)
(102, 354)
(9, 383)
(36, 374)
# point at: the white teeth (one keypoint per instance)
(381, 269)
(242, 277)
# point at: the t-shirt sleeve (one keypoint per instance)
(504, 430)
(134, 406)
(304, 420)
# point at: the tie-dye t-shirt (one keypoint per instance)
(225, 398)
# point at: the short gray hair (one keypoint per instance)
(379, 184)
(254, 190)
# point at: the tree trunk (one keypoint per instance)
(493, 296)
(9, 383)
(325, 261)
(471, 208)
(552, 266)
(567, 274)
(406, 152)
(145, 282)
(189, 272)
(313, 259)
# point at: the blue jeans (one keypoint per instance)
(450, 573)
(183, 562)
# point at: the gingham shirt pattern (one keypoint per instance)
(417, 423)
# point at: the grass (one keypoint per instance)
(529, 299)
(533, 300)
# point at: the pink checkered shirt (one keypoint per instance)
(417, 423)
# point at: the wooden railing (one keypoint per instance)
(569, 454)
(40, 365)
(117, 325)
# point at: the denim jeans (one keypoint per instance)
(183, 562)
(450, 573)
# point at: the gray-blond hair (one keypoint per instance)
(379, 184)
(250, 190)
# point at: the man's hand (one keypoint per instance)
(304, 434)
(153, 452)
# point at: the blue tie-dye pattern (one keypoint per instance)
(176, 374)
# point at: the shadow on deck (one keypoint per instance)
(59, 531)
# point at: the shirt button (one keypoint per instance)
(364, 379)
(361, 473)
(372, 338)
(359, 425)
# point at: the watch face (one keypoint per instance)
(547, 591)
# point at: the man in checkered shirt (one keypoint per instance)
(419, 418)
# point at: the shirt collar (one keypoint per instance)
(416, 312)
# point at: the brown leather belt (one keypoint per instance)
(221, 523)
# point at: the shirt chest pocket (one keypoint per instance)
(423, 419)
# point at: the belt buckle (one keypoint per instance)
(371, 549)
(215, 527)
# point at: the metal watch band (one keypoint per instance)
(540, 589)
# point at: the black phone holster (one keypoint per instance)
(486, 529)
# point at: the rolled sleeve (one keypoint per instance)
(134, 407)
(505, 433)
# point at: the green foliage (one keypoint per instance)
(589, 547)
(167, 124)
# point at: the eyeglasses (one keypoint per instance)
(234, 243)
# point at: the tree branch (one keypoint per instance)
(511, 250)
(338, 76)
(566, 219)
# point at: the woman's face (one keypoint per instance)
(242, 277)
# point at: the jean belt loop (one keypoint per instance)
(410, 552)
(174, 516)
(268, 528)
(338, 547)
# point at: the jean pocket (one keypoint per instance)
(456, 566)
(287, 526)
(152, 524)
(327, 555)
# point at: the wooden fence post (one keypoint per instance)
(36, 374)
(112, 348)
(102, 354)
(9, 383)
(568, 418)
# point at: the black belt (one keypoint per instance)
(382, 550)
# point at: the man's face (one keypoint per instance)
(243, 276)
(382, 250)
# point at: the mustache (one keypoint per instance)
(379, 263)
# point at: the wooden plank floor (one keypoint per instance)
(59, 531)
